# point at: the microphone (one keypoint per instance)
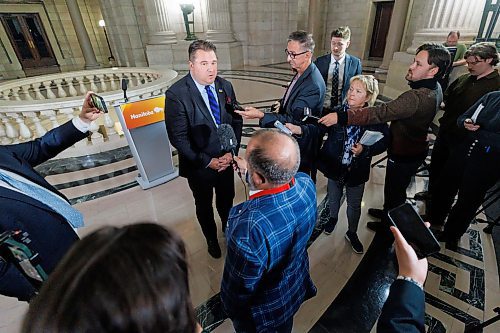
(124, 88)
(227, 138)
(228, 142)
(308, 114)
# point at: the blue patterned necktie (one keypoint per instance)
(334, 101)
(48, 198)
(214, 106)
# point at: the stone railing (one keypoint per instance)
(31, 106)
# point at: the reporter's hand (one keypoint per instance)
(294, 128)
(89, 113)
(241, 163)
(250, 113)
(329, 120)
(275, 107)
(357, 149)
(471, 126)
(409, 265)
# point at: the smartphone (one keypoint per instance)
(237, 106)
(413, 229)
(282, 127)
(99, 103)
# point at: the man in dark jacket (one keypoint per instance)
(337, 68)
(30, 204)
(461, 95)
(196, 106)
(410, 115)
(307, 89)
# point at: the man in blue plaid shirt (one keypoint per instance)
(266, 274)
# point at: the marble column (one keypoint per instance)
(316, 25)
(82, 35)
(395, 33)
(158, 23)
(443, 16)
(219, 21)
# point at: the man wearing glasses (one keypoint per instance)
(482, 78)
(307, 90)
(338, 68)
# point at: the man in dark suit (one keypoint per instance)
(195, 107)
(30, 204)
(307, 89)
(338, 68)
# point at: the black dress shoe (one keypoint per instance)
(422, 196)
(452, 245)
(375, 226)
(376, 213)
(214, 248)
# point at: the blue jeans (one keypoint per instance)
(354, 196)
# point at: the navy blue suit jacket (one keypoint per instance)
(404, 309)
(352, 68)
(308, 91)
(190, 126)
(50, 233)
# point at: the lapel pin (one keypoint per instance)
(220, 90)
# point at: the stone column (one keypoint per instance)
(219, 21)
(82, 35)
(443, 16)
(316, 25)
(395, 33)
(158, 23)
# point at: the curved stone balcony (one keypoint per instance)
(31, 106)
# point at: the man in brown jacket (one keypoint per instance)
(410, 115)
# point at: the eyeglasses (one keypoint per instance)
(293, 55)
(472, 63)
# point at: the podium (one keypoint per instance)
(143, 124)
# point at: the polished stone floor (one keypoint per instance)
(462, 286)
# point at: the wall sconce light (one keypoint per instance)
(102, 24)
(187, 9)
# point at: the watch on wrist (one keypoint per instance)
(409, 279)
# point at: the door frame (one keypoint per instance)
(15, 69)
(37, 60)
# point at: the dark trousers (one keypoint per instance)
(471, 170)
(203, 183)
(247, 326)
(441, 152)
(397, 178)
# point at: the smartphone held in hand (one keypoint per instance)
(99, 103)
(413, 229)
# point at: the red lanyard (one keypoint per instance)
(274, 190)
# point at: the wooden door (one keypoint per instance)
(380, 29)
(30, 42)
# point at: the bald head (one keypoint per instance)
(274, 155)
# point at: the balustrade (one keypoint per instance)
(30, 107)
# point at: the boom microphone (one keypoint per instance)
(228, 143)
(227, 138)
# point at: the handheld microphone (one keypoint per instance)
(124, 88)
(228, 142)
(308, 114)
(282, 127)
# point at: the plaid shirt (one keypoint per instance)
(266, 274)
